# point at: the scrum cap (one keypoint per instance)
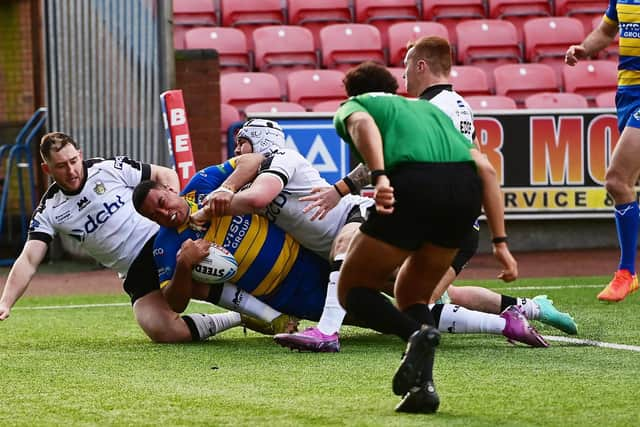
(265, 135)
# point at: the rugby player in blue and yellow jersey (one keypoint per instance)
(272, 266)
(624, 168)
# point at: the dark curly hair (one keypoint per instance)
(369, 77)
(141, 192)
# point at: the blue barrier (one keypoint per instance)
(20, 155)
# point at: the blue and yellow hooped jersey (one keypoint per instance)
(271, 264)
(626, 15)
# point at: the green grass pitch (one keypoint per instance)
(94, 366)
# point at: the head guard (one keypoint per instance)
(265, 135)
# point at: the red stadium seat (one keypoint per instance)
(491, 102)
(518, 11)
(383, 13)
(451, 12)
(274, 107)
(230, 43)
(468, 80)
(584, 10)
(402, 32)
(281, 49)
(347, 45)
(606, 99)
(518, 81)
(228, 115)
(590, 78)
(610, 52)
(487, 43)
(250, 14)
(308, 87)
(555, 100)
(242, 89)
(327, 106)
(546, 40)
(188, 14)
(398, 73)
(315, 14)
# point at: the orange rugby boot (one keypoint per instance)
(622, 284)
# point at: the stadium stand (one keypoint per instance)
(487, 43)
(242, 89)
(468, 80)
(230, 43)
(281, 49)
(398, 73)
(316, 14)
(228, 115)
(590, 78)
(546, 40)
(518, 81)
(491, 102)
(584, 10)
(555, 100)
(346, 45)
(451, 12)
(274, 107)
(383, 13)
(327, 106)
(308, 87)
(250, 14)
(518, 11)
(188, 14)
(400, 33)
(606, 99)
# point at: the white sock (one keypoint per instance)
(530, 307)
(208, 325)
(459, 320)
(332, 313)
(236, 299)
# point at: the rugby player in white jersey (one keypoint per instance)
(428, 65)
(90, 202)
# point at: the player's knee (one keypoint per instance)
(617, 185)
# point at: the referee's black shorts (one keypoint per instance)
(435, 202)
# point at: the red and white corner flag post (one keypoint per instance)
(174, 115)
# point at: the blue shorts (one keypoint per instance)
(303, 292)
(628, 107)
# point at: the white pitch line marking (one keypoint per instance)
(593, 343)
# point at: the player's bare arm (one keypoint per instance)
(598, 39)
(180, 290)
(20, 275)
(165, 176)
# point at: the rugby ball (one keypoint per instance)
(218, 267)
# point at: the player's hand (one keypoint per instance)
(5, 311)
(575, 53)
(509, 271)
(192, 252)
(199, 219)
(322, 199)
(383, 195)
(218, 201)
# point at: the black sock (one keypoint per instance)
(436, 312)
(215, 292)
(377, 312)
(195, 335)
(506, 302)
(421, 313)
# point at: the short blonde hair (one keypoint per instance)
(55, 141)
(435, 51)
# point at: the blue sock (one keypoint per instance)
(627, 223)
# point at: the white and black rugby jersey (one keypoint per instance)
(454, 106)
(100, 215)
(298, 177)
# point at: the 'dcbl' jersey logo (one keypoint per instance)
(95, 221)
(275, 207)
